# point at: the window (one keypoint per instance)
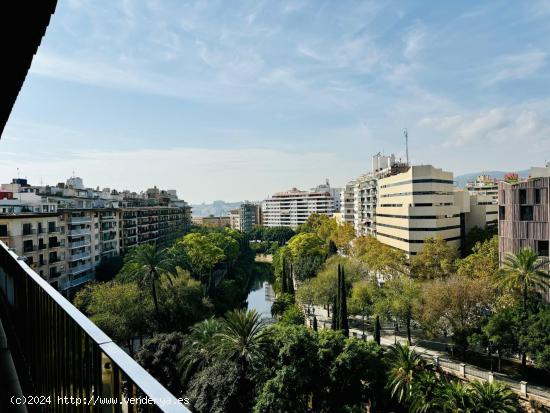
(522, 196)
(51, 226)
(542, 248)
(27, 246)
(537, 196)
(3, 230)
(27, 229)
(501, 213)
(526, 213)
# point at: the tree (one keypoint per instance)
(343, 323)
(147, 262)
(198, 349)
(377, 329)
(405, 365)
(536, 339)
(482, 262)
(342, 236)
(503, 330)
(400, 296)
(203, 255)
(293, 315)
(454, 397)
(181, 302)
(242, 338)
(221, 387)
(157, 356)
(523, 272)
(362, 299)
(380, 259)
(456, 305)
(307, 254)
(120, 310)
(477, 235)
(425, 392)
(281, 304)
(492, 398)
(435, 260)
(108, 268)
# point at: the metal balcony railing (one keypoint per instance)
(65, 354)
(79, 268)
(80, 244)
(80, 231)
(80, 220)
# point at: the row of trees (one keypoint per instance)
(169, 289)
(470, 299)
(238, 364)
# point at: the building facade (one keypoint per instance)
(418, 204)
(64, 233)
(292, 208)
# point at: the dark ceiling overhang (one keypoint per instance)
(23, 25)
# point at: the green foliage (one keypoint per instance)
(482, 261)
(536, 338)
(477, 235)
(379, 258)
(492, 398)
(435, 260)
(108, 268)
(293, 315)
(307, 253)
(203, 254)
(280, 235)
(281, 304)
(122, 311)
(157, 356)
(405, 365)
(524, 272)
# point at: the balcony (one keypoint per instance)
(79, 269)
(79, 244)
(63, 353)
(79, 231)
(79, 256)
(29, 232)
(80, 220)
(53, 230)
(56, 244)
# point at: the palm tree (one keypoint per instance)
(404, 366)
(492, 398)
(198, 348)
(425, 389)
(454, 397)
(242, 337)
(523, 272)
(148, 262)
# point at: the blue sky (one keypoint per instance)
(237, 100)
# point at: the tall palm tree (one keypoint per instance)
(405, 365)
(148, 263)
(454, 397)
(523, 272)
(242, 337)
(199, 347)
(492, 398)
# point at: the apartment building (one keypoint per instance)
(417, 204)
(64, 232)
(212, 222)
(292, 208)
(484, 202)
(358, 202)
(246, 216)
(40, 239)
(524, 213)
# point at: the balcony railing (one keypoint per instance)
(79, 256)
(80, 220)
(80, 231)
(79, 244)
(79, 268)
(65, 354)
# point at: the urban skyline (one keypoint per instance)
(208, 93)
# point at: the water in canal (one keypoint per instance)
(261, 295)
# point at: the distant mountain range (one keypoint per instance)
(216, 208)
(461, 180)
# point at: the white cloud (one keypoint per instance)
(413, 41)
(515, 66)
(498, 125)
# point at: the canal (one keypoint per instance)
(261, 295)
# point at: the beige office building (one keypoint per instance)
(418, 204)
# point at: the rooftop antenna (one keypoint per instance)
(406, 144)
(17, 173)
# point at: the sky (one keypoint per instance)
(238, 100)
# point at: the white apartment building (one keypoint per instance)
(292, 208)
(418, 204)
